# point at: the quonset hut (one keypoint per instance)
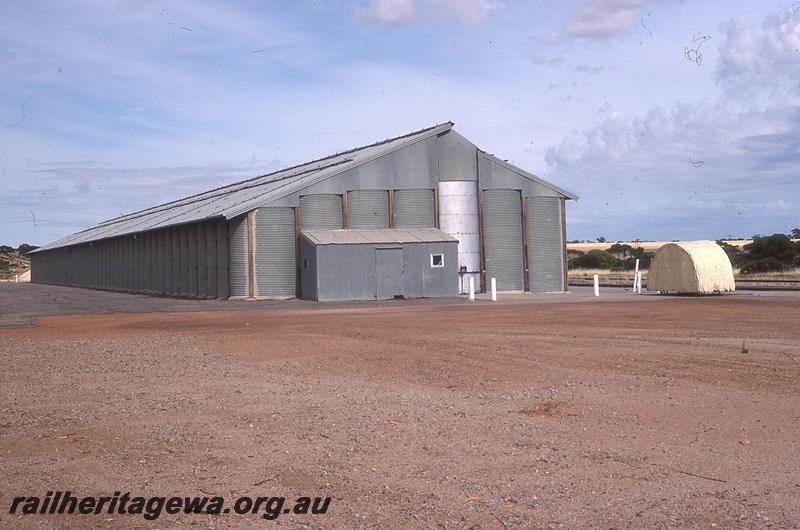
(691, 267)
(414, 216)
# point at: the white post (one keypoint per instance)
(635, 275)
(639, 282)
(494, 290)
(16, 278)
(596, 285)
(472, 289)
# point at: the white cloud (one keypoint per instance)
(92, 194)
(597, 19)
(684, 166)
(124, 87)
(391, 12)
(760, 68)
(468, 13)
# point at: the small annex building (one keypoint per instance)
(412, 216)
(691, 267)
(381, 264)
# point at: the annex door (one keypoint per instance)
(389, 273)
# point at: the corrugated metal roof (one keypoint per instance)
(387, 236)
(236, 199)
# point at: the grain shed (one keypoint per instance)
(427, 198)
(690, 267)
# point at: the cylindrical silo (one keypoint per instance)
(458, 217)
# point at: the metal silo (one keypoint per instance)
(458, 217)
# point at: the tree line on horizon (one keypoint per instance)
(775, 253)
(23, 249)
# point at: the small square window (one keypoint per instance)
(437, 260)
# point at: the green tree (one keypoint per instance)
(25, 248)
(621, 250)
(627, 256)
(734, 253)
(777, 246)
(768, 254)
(595, 259)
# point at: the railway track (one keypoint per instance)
(767, 285)
(742, 285)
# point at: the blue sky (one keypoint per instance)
(670, 119)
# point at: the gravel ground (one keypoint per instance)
(539, 411)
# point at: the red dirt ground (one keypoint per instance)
(536, 412)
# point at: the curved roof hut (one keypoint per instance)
(691, 267)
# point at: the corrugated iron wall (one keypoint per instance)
(211, 260)
(202, 260)
(194, 272)
(240, 262)
(322, 211)
(223, 259)
(174, 287)
(457, 158)
(275, 253)
(368, 209)
(545, 244)
(414, 208)
(149, 264)
(502, 239)
(162, 261)
(172, 261)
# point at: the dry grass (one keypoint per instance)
(792, 275)
(13, 264)
(586, 276)
(649, 246)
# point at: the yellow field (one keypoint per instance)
(649, 246)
